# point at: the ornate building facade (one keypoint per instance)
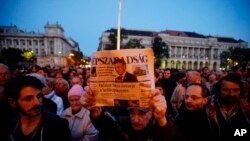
(49, 48)
(187, 50)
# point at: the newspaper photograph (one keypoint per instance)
(122, 77)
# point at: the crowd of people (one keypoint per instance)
(56, 103)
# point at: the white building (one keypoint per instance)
(50, 48)
(187, 50)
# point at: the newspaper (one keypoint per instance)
(122, 77)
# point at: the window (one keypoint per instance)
(41, 43)
(43, 51)
(9, 42)
(36, 51)
(16, 42)
(51, 50)
(35, 42)
(29, 42)
(51, 43)
(22, 43)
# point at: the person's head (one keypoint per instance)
(42, 71)
(156, 76)
(4, 73)
(65, 70)
(74, 96)
(25, 95)
(120, 66)
(160, 87)
(212, 78)
(61, 85)
(76, 80)
(79, 71)
(193, 77)
(139, 117)
(58, 75)
(205, 71)
(167, 73)
(160, 75)
(229, 89)
(180, 77)
(195, 97)
(49, 86)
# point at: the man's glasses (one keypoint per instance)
(193, 97)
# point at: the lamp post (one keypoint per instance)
(118, 26)
(60, 62)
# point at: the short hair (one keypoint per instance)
(64, 81)
(14, 85)
(232, 78)
(121, 60)
(50, 82)
(204, 90)
(159, 84)
(179, 75)
(204, 68)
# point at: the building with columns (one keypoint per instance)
(187, 50)
(49, 48)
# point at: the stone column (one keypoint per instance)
(181, 52)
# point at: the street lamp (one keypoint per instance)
(71, 54)
(60, 61)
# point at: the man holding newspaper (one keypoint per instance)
(142, 123)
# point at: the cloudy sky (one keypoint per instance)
(85, 20)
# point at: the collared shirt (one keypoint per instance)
(58, 100)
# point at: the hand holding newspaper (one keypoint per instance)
(122, 77)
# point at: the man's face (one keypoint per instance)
(120, 68)
(139, 119)
(60, 86)
(230, 92)
(193, 98)
(76, 80)
(29, 102)
(160, 89)
(167, 74)
(4, 74)
(206, 71)
(46, 90)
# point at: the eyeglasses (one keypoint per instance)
(193, 97)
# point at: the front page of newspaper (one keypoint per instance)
(122, 77)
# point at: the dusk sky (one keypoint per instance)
(86, 20)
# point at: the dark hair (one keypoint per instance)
(179, 75)
(204, 90)
(159, 84)
(232, 77)
(204, 68)
(117, 60)
(14, 85)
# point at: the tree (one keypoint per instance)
(75, 57)
(11, 56)
(160, 49)
(113, 39)
(134, 43)
(224, 58)
(233, 55)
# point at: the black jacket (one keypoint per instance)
(120, 129)
(51, 128)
